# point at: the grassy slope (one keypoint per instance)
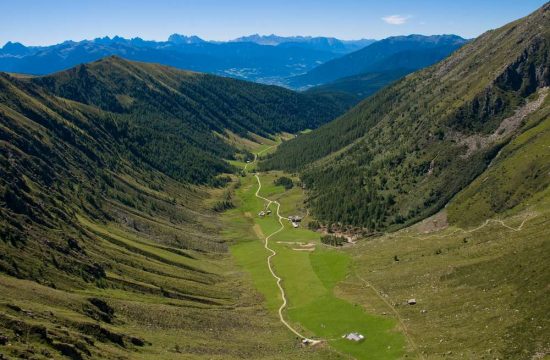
(172, 289)
(146, 307)
(481, 293)
(168, 282)
(310, 278)
(516, 179)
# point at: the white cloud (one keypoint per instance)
(396, 19)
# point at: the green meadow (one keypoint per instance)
(310, 278)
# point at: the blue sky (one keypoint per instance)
(38, 22)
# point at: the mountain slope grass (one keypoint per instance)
(166, 286)
(481, 290)
(477, 269)
(154, 309)
(478, 275)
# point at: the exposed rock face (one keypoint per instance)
(478, 142)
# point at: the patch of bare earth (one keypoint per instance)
(434, 223)
(301, 245)
(305, 247)
(258, 231)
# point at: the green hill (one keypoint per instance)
(403, 153)
(358, 87)
(109, 244)
(190, 108)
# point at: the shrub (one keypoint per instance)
(313, 225)
(225, 203)
(284, 181)
(333, 240)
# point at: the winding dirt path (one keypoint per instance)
(273, 253)
(256, 156)
(487, 222)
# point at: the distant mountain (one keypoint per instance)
(246, 60)
(16, 49)
(296, 62)
(182, 39)
(272, 39)
(400, 52)
(318, 43)
(387, 71)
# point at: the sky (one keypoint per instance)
(45, 22)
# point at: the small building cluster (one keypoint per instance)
(264, 213)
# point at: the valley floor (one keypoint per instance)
(311, 273)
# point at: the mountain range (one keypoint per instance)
(410, 52)
(295, 62)
(247, 58)
(316, 43)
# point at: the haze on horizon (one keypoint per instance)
(34, 22)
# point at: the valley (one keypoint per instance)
(396, 206)
(153, 298)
